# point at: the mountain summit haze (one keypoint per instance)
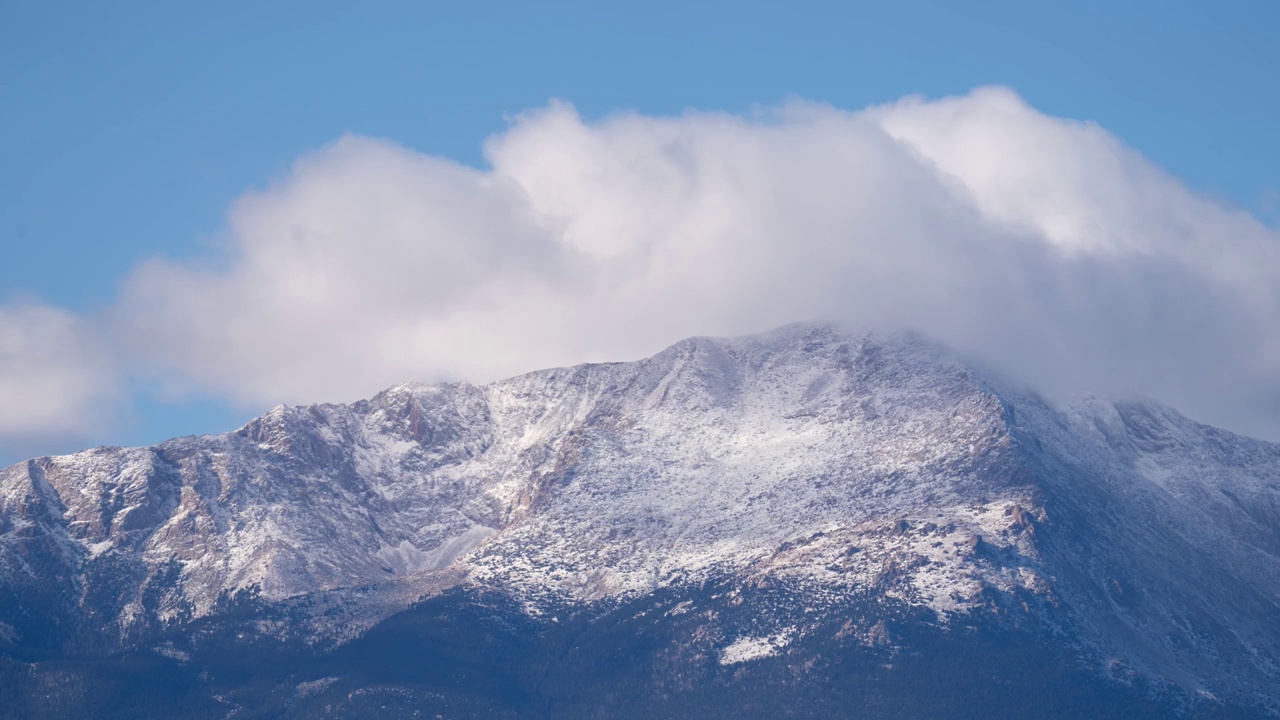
(809, 522)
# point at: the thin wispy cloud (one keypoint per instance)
(58, 376)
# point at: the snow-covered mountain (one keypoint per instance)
(838, 468)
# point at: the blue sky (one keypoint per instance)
(128, 129)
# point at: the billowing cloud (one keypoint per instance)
(56, 379)
(1041, 244)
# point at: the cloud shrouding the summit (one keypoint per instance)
(1043, 244)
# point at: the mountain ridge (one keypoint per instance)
(844, 467)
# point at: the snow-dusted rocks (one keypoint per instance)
(843, 466)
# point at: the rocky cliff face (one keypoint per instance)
(838, 469)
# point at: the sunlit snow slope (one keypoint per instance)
(840, 464)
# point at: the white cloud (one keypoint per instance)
(56, 380)
(1042, 243)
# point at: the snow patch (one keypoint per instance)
(171, 652)
(407, 558)
(96, 549)
(311, 687)
(745, 649)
